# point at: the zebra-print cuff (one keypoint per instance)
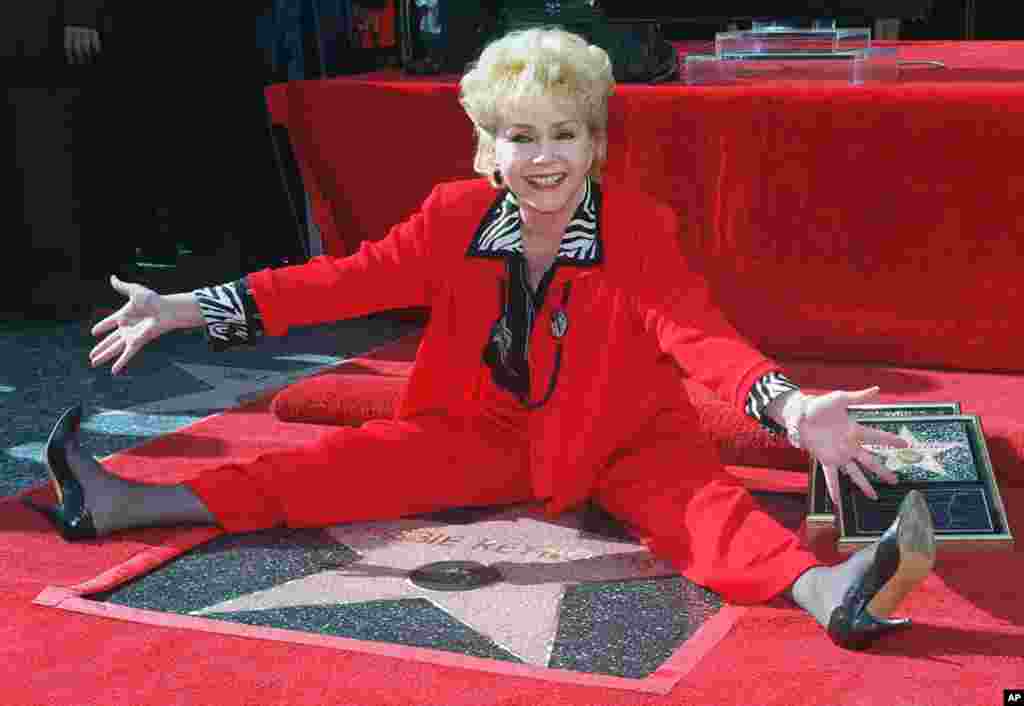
(761, 395)
(230, 313)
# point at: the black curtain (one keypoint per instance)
(179, 110)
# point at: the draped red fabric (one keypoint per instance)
(869, 220)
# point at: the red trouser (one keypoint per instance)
(670, 487)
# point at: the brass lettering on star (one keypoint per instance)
(480, 544)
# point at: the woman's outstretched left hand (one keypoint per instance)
(837, 441)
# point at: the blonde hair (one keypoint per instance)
(541, 61)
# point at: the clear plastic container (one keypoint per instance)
(796, 44)
(866, 66)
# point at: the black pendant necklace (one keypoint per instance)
(559, 325)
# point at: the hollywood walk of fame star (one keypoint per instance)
(538, 560)
(919, 454)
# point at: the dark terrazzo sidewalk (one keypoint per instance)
(46, 370)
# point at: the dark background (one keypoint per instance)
(159, 153)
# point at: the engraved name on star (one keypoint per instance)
(920, 454)
(538, 559)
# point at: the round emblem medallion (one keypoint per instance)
(559, 324)
(454, 575)
(909, 455)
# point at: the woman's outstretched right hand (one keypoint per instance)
(144, 317)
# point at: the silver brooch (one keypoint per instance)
(559, 324)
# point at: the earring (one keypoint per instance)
(497, 177)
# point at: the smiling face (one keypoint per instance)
(544, 150)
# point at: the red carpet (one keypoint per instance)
(967, 646)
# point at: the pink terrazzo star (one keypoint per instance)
(537, 557)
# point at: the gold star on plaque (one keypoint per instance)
(920, 454)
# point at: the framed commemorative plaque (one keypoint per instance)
(821, 516)
(948, 461)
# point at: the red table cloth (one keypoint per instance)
(935, 151)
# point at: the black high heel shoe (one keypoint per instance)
(69, 515)
(905, 554)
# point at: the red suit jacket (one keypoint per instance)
(637, 322)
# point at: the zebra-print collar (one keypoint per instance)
(498, 234)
